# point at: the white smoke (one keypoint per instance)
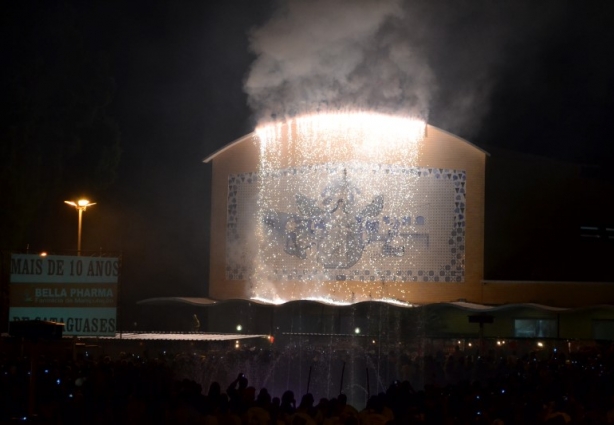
(438, 60)
(315, 55)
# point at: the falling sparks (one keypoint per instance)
(359, 136)
(338, 170)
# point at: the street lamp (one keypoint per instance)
(81, 205)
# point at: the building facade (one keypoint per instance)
(307, 210)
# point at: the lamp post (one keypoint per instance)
(81, 205)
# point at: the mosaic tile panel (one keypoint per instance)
(359, 222)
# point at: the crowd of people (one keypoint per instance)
(446, 388)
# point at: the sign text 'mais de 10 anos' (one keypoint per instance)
(80, 292)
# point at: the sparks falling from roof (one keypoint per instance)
(329, 165)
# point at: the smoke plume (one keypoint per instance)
(441, 61)
(337, 54)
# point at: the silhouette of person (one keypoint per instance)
(195, 323)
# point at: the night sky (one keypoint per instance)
(536, 77)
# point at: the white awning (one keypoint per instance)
(183, 336)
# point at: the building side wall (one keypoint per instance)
(437, 150)
(575, 324)
(556, 294)
(241, 158)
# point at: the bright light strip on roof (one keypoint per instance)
(365, 132)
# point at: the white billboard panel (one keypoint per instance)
(86, 321)
(80, 292)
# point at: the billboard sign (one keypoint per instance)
(80, 292)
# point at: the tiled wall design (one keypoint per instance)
(347, 221)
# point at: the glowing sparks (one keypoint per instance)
(358, 136)
(331, 164)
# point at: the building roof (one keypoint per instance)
(468, 306)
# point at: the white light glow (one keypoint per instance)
(330, 301)
(276, 301)
(396, 302)
(327, 300)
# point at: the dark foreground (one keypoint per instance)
(182, 387)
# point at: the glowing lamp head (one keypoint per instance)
(239, 328)
(357, 330)
(81, 204)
